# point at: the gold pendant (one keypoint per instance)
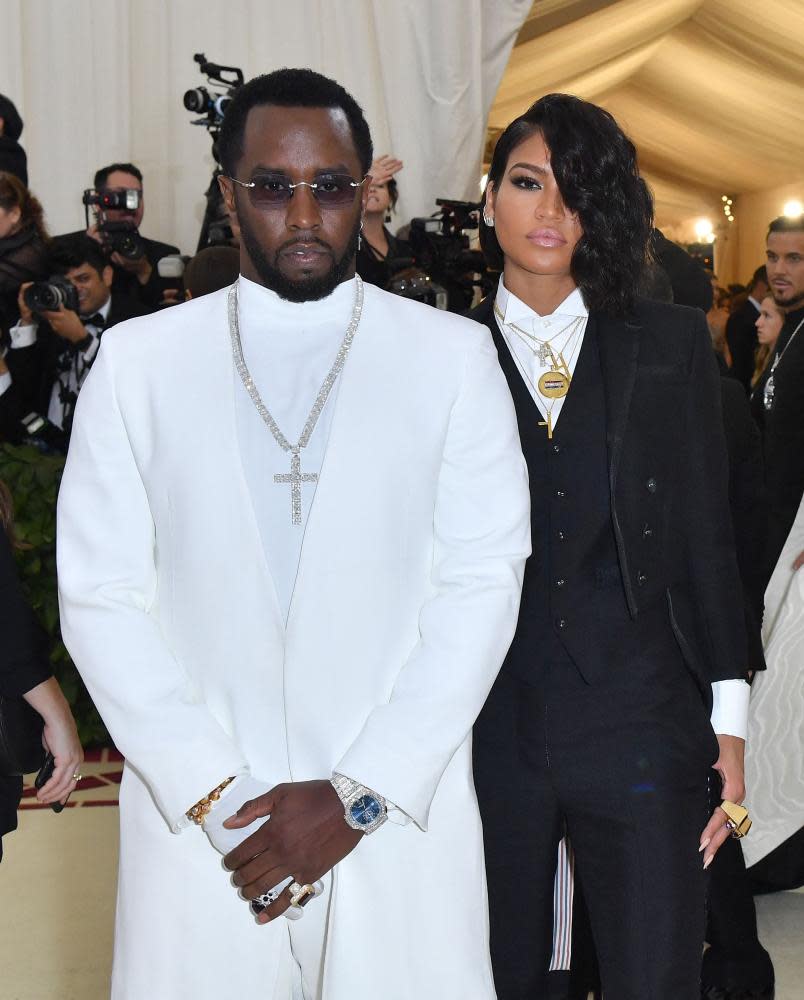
(554, 384)
(549, 425)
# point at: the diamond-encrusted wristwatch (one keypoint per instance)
(364, 809)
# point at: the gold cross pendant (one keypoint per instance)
(549, 425)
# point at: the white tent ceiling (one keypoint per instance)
(711, 91)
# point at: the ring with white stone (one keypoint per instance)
(261, 903)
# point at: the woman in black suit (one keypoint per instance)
(629, 631)
(25, 672)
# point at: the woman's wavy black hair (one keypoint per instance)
(595, 166)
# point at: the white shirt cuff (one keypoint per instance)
(5, 382)
(730, 708)
(23, 336)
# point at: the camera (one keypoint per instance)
(200, 101)
(127, 200)
(50, 295)
(441, 246)
(120, 236)
(210, 104)
(123, 238)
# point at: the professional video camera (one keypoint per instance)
(120, 236)
(212, 105)
(51, 295)
(441, 246)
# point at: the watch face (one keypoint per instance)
(365, 810)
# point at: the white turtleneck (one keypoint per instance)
(289, 348)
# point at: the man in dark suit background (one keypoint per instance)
(52, 351)
(783, 394)
(741, 331)
(136, 277)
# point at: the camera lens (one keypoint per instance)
(196, 99)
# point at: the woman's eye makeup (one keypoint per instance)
(526, 182)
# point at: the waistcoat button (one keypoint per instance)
(561, 623)
(651, 485)
(560, 582)
(641, 579)
(560, 494)
(647, 532)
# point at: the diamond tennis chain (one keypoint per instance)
(296, 477)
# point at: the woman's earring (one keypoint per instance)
(359, 237)
(388, 215)
(488, 220)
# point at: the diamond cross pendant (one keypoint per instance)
(295, 478)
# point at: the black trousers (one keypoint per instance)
(735, 959)
(624, 764)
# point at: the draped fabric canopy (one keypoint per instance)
(99, 81)
(711, 91)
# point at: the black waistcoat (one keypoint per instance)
(573, 609)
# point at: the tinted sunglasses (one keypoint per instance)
(272, 191)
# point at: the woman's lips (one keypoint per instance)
(547, 238)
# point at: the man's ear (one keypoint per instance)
(108, 275)
(227, 191)
(2, 125)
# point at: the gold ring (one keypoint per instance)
(300, 895)
(77, 776)
(738, 820)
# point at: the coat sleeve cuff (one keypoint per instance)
(730, 708)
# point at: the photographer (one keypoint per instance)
(52, 350)
(135, 271)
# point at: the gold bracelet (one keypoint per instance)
(200, 810)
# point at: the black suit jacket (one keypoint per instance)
(741, 336)
(34, 369)
(665, 441)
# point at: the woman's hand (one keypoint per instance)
(60, 737)
(384, 167)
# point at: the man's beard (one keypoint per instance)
(794, 303)
(301, 289)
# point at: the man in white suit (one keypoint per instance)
(292, 530)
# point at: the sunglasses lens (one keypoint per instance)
(335, 191)
(268, 192)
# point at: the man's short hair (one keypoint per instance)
(102, 175)
(760, 275)
(12, 123)
(211, 269)
(290, 88)
(787, 224)
(75, 251)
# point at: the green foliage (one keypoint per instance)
(33, 479)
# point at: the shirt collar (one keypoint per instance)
(514, 310)
(259, 302)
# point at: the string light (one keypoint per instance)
(704, 231)
(728, 207)
(793, 209)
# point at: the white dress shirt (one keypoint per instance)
(729, 698)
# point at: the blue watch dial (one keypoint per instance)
(365, 810)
